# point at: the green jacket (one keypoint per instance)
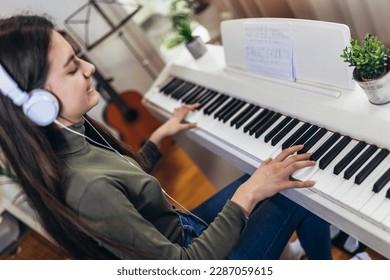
(128, 205)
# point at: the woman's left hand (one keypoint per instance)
(174, 125)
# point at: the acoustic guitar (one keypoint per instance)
(126, 114)
(130, 118)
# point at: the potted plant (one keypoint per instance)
(371, 62)
(194, 44)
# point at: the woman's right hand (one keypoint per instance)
(273, 176)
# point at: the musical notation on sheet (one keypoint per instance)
(269, 50)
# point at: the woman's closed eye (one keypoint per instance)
(74, 71)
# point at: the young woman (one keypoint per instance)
(93, 194)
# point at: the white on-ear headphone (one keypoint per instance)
(38, 105)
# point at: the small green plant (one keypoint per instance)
(369, 59)
(184, 30)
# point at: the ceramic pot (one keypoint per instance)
(196, 47)
(377, 90)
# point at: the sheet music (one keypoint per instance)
(269, 50)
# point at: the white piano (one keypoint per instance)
(246, 118)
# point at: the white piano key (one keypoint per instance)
(260, 148)
(236, 137)
(250, 144)
(324, 177)
(352, 190)
(307, 173)
(376, 209)
(365, 189)
(386, 221)
(382, 214)
(356, 190)
(278, 146)
(320, 142)
(224, 129)
(221, 106)
(247, 143)
(334, 182)
(346, 185)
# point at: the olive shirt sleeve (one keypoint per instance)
(151, 155)
(103, 201)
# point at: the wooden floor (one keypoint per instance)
(179, 176)
(32, 246)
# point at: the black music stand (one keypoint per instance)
(96, 20)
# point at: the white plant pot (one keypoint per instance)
(196, 47)
(377, 90)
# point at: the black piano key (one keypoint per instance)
(247, 116)
(263, 120)
(284, 132)
(382, 181)
(239, 120)
(226, 107)
(183, 87)
(205, 101)
(276, 129)
(349, 157)
(267, 124)
(388, 193)
(255, 120)
(183, 90)
(173, 89)
(171, 85)
(306, 136)
(229, 108)
(232, 112)
(242, 114)
(196, 98)
(332, 153)
(188, 99)
(363, 174)
(312, 141)
(294, 137)
(214, 105)
(193, 92)
(166, 84)
(208, 94)
(359, 162)
(325, 147)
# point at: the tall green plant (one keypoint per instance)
(369, 59)
(184, 30)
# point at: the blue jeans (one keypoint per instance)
(269, 228)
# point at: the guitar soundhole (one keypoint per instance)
(131, 115)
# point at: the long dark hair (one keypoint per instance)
(24, 47)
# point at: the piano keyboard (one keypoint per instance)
(349, 172)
